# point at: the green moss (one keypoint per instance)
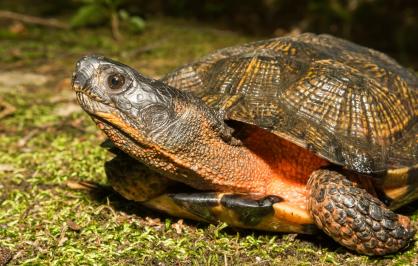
(43, 149)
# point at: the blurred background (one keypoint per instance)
(388, 26)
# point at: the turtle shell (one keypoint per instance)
(352, 105)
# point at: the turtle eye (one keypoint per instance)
(115, 81)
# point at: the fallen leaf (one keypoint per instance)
(178, 226)
(17, 27)
(6, 168)
(82, 185)
(73, 226)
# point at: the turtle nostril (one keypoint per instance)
(78, 80)
(84, 69)
(73, 76)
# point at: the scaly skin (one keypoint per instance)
(353, 217)
(133, 180)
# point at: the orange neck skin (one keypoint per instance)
(264, 164)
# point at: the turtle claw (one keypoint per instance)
(353, 217)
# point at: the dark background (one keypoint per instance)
(388, 26)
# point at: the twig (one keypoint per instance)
(82, 185)
(33, 20)
(115, 26)
(62, 238)
(145, 49)
(23, 141)
(8, 109)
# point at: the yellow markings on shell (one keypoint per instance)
(293, 51)
(211, 99)
(252, 68)
(345, 107)
(228, 102)
(283, 47)
(223, 101)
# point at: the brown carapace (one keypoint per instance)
(291, 134)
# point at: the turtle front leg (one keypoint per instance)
(133, 180)
(353, 217)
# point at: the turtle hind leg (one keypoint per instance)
(353, 217)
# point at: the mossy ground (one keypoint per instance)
(49, 141)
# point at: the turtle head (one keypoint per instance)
(118, 95)
(140, 113)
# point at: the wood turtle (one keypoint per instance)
(289, 134)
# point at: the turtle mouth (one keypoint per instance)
(108, 118)
(91, 103)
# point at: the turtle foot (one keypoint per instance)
(353, 217)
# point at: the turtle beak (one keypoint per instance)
(84, 71)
